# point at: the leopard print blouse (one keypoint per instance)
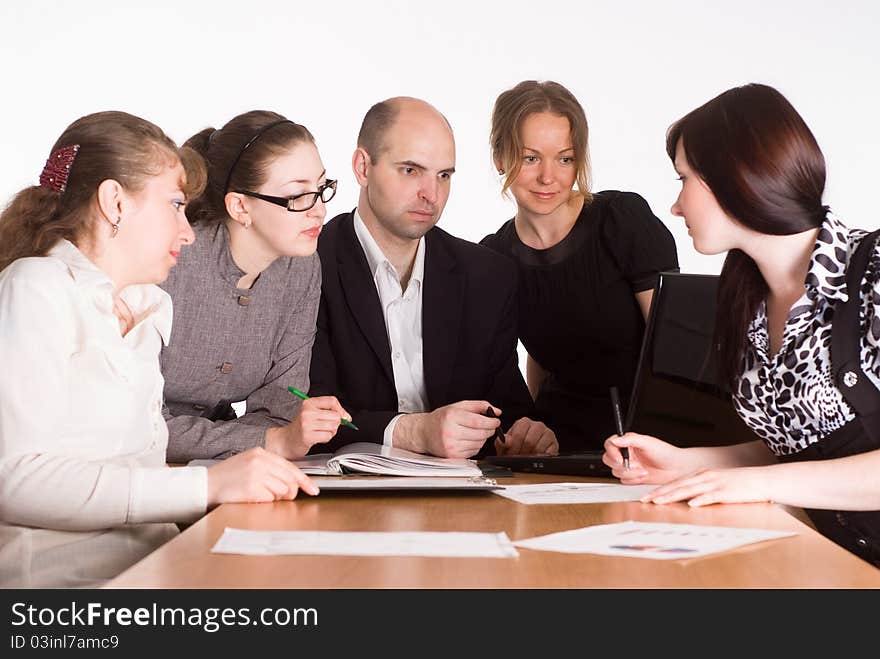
(790, 400)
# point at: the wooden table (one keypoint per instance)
(807, 560)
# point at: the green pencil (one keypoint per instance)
(297, 392)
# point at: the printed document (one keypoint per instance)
(574, 492)
(344, 543)
(650, 540)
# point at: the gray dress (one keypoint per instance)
(229, 345)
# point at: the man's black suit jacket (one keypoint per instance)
(469, 326)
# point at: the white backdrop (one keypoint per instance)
(635, 66)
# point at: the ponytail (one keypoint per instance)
(30, 226)
(741, 289)
(206, 206)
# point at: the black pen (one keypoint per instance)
(618, 420)
(498, 434)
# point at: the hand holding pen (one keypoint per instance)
(499, 435)
(343, 421)
(317, 422)
(618, 421)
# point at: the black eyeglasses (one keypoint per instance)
(301, 202)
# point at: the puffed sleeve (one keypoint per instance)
(637, 240)
(500, 240)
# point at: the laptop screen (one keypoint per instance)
(677, 396)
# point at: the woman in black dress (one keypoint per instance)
(587, 262)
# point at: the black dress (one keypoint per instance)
(578, 315)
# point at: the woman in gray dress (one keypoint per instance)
(246, 296)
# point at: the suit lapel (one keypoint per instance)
(361, 295)
(441, 316)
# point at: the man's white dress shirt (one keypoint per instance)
(402, 311)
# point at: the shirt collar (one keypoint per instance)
(229, 270)
(148, 300)
(144, 300)
(826, 276)
(825, 283)
(376, 258)
(85, 273)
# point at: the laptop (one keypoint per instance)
(676, 396)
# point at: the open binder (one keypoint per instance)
(379, 460)
(368, 466)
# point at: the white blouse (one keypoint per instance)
(84, 490)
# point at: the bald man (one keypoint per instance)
(416, 329)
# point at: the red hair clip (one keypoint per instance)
(57, 168)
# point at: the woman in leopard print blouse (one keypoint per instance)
(752, 182)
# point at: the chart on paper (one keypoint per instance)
(650, 540)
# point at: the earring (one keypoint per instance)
(116, 227)
(500, 172)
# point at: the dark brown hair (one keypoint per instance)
(229, 162)
(529, 97)
(762, 163)
(112, 145)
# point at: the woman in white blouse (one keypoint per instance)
(752, 182)
(84, 490)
